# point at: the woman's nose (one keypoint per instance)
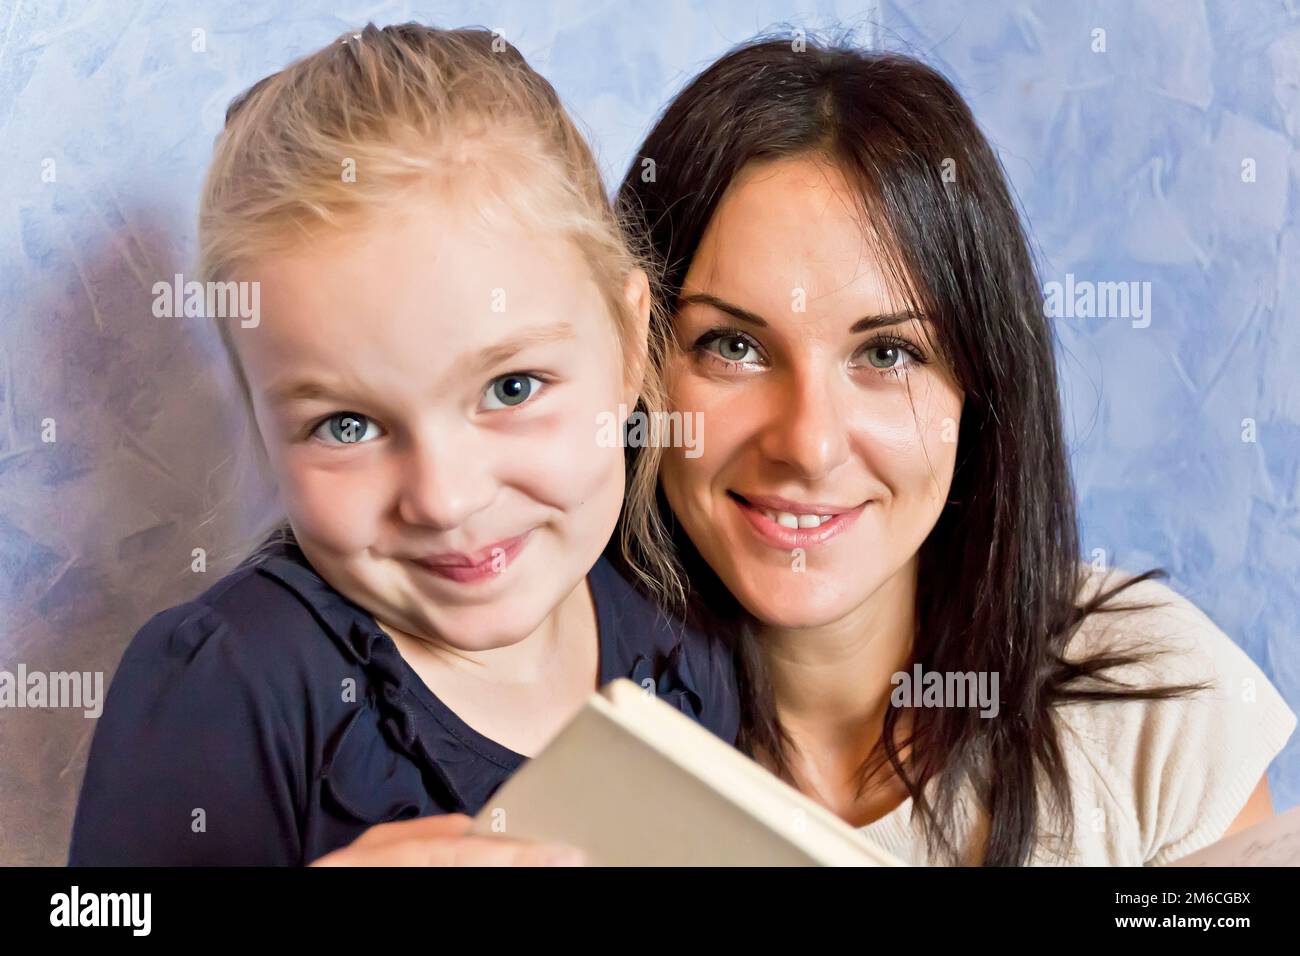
(807, 431)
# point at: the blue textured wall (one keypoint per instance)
(1128, 163)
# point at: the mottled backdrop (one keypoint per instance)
(1149, 143)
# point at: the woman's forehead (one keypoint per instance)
(790, 232)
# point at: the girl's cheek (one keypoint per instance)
(340, 507)
(566, 459)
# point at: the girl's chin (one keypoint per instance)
(469, 634)
(504, 620)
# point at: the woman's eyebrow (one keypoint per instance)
(722, 305)
(865, 324)
(871, 322)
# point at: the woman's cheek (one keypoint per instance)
(685, 482)
(940, 438)
(910, 442)
(725, 415)
(686, 477)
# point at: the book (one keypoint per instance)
(1274, 842)
(633, 782)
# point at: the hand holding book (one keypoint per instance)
(444, 840)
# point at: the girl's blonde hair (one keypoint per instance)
(346, 134)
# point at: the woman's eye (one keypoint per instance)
(885, 356)
(892, 357)
(732, 347)
(346, 428)
(510, 390)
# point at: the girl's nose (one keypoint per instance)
(806, 430)
(443, 482)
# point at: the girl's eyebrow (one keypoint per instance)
(502, 352)
(304, 389)
(865, 324)
(298, 390)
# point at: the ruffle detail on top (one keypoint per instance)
(396, 757)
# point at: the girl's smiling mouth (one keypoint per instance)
(491, 562)
(782, 523)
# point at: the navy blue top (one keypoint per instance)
(227, 737)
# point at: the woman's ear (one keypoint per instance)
(636, 295)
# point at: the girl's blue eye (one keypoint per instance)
(346, 428)
(507, 391)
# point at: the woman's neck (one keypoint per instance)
(836, 678)
(832, 686)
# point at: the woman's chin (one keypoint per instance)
(784, 603)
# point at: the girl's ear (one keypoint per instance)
(636, 293)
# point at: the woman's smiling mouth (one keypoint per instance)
(782, 523)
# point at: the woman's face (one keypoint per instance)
(428, 391)
(830, 426)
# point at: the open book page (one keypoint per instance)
(635, 783)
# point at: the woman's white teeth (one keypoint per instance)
(787, 520)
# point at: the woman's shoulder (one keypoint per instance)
(1167, 776)
(1173, 639)
(1150, 614)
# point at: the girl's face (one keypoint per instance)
(831, 426)
(428, 390)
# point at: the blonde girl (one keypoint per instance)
(449, 312)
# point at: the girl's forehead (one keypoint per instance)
(421, 271)
(386, 318)
(432, 294)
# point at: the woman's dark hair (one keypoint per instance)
(1000, 575)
